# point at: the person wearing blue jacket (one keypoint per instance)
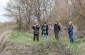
(70, 32)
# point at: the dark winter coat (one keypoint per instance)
(36, 29)
(45, 29)
(57, 28)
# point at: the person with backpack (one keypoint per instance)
(70, 32)
(45, 29)
(57, 29)
(36, 31)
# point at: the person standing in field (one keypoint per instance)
(35, 27)
(45, 29)
(57, 29)
(70, 32)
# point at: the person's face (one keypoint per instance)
(70, 23)
(36, 23)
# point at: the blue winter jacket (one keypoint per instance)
(70, 29)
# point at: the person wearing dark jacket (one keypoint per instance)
(45, 31)
(57, 29)
(36, 31)
(70, 32)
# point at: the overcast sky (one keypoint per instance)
(3, 4)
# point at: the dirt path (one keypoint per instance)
(49, 49)
(4, 31)
(3, 36)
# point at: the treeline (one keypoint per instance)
(24, 12)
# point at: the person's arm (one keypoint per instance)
(33, 27)
(59, 27)
(47, 27)
(70, 29)
(38, 27)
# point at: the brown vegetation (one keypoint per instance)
(6, 24)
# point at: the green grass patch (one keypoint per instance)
(23, 38)
(26, 38)
(73, 47)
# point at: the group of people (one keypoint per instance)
(45, 28)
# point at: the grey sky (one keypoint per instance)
(3, 4)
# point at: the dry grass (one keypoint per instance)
(6, 24)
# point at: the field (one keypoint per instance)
(27, 39)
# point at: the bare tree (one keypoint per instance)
(22, 12)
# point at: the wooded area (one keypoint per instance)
(24, 12)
